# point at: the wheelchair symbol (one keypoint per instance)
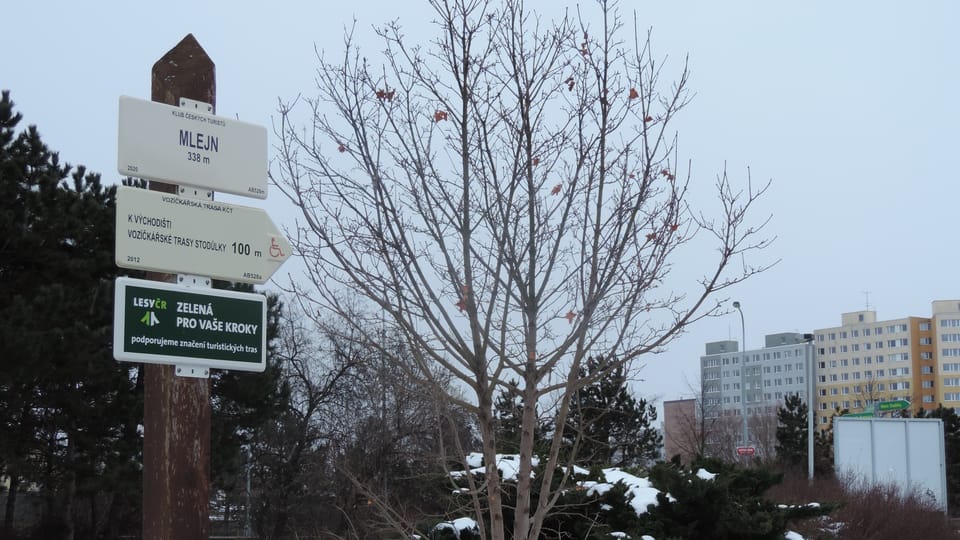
(275, 250)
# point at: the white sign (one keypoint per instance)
(906, 452)
(183, 146)
(166, 233)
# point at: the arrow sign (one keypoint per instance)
(163, 323)
(166, 233)
(895, 405)
(185, 146)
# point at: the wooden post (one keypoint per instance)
(176, 410)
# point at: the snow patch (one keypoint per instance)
(704, 474)
(641, 493)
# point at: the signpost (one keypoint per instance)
(746, 450)
(162, 323)
(896, 405)
(167, 233)
(190, 146)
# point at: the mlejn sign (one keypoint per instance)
(163, 323)
(184, 146)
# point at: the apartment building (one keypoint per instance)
(864, 361)
(756, 381)
(946, 352)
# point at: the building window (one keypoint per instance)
(843, 334)
(926, 355)
(823, 391)
(924, 326)
(926, 341)
(926, 384)
(926, 370)
(951, 396)
(928, 399)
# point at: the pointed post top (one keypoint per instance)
(185, 71)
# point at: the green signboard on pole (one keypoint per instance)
(163, 323)
(895, 405)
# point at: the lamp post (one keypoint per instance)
(809, 355)
(743, 374)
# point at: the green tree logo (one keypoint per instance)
(150, 319)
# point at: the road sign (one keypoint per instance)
(895, 405)
(746, 450)
(163, 323)
(186, 146)
(166, 233)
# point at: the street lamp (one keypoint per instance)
(743, 373)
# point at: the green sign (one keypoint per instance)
(893, 405)
(162, 323)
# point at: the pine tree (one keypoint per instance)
(607, 424)
(792, 431)
(68, 411)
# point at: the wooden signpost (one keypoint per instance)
(179, 234)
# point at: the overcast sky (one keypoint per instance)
(850, 108)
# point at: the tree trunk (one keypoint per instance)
(494, 494)
(11, 505)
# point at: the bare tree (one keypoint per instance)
(763, 433)
(510, 198)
